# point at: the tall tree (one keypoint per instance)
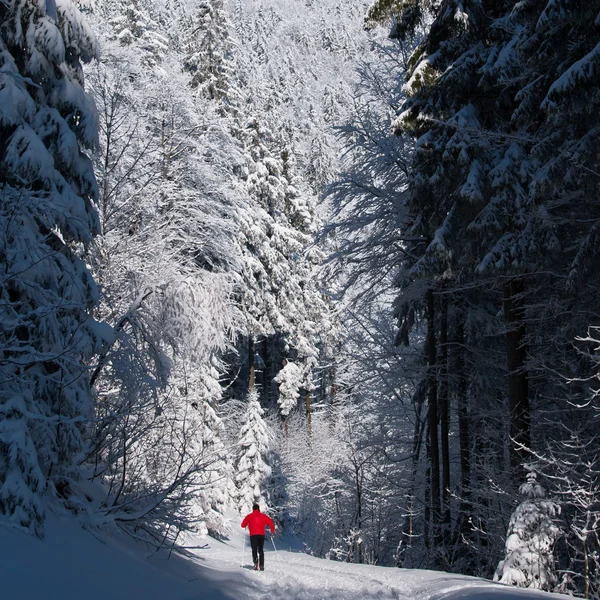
(484, 156)
(252, 460)
(47, 217)
(491, 92)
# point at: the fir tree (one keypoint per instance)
(289, 380)
(134, 25)
(531, 536)
(208, 54)
(252, 468)
(47, 217)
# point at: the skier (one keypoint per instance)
(256, 522)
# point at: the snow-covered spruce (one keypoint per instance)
(289, 380)
(251, 466)
(47, 216)
(532, 532)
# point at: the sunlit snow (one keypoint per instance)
(73, 564)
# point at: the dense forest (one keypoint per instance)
(341, 259)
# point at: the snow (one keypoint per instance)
(289, 380)
(580, 73)
(72, 563)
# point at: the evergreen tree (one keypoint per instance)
(289, 380)
(47, 217)
(278, 291)
(252, 468)
(531, 536)
(490, 255)
(208, 53)
(494, 169)
(133, 25)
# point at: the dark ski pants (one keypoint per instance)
(258, 554)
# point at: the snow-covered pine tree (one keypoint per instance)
(217, 489)
(289, 379)
(532, 533)
(492, 92)
(208, 53)
(263, 269)
(134, 25)
(252, 468)
(47, 217)
(278, 290)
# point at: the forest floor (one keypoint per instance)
(72, 564)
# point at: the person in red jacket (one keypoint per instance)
(256, 523)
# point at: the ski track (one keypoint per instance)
(301, 586)
(299, 576)
(302, 577)
(293, 575)
(66, 565)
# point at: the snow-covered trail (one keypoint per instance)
(293, 575)
(71, 564)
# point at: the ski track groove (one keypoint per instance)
(305, 584)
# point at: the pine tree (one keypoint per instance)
(278, 291)
(47, 217)
(494, 163)
(208, 52)
(134, 25)
(289, 380)
(252, 468)
(532, 533)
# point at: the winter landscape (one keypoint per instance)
(330, 265)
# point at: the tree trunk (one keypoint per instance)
(433, 417)
(444, 417)
(332, 396)
(251, 363)
(518, 385)
(408, 525)
(427, 495)
(307, 404)
(463, 527)
(266, 383)
(463, 413)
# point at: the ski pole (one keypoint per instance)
(274, 547)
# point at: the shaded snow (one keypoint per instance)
(71, 564)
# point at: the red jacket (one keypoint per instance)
(257, 522)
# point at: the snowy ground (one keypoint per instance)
(73, 564)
